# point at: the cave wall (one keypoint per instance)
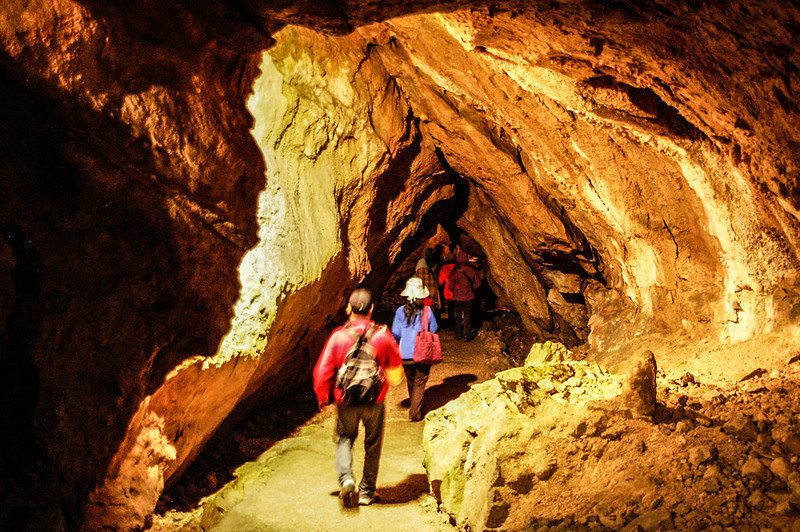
(128, 200)
(323, 214)
(641, 158)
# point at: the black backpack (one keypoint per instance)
(360, 378)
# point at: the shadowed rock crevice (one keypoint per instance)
(646, 108)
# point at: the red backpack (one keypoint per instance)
(458, 281)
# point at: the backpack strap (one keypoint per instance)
(371, 331)
(352, 333)
(424, 326)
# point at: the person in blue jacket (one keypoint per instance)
(406, 325)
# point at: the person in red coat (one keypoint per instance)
(387, 355)
(460, 280)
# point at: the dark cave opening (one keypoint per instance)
(562, 272)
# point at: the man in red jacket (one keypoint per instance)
(387, 355)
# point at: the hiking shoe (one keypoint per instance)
(348, 494)
(365, 499)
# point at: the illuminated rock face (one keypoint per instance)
(627, 173)
(502, 432)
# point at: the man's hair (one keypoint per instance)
(360, 301)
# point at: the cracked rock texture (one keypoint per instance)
(189, 191)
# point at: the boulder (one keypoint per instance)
(660, 519)
(741, 426)
(753, 469)
(547, 352)
(639, 389)
(756, 500)
(702, 454)
(545, 469)
(465, 442)
(788, 440)
(793, 481)
(498, 437)
(781, 468)
(566, 283)
(784, 508)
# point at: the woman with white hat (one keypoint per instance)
(406, 325)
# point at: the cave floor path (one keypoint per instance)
(292, 486)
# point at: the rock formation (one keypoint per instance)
(639, 391)
(189, 191)
(547, 445)
(502, 434)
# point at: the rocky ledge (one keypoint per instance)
(561, 444)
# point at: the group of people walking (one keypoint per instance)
(361, 359)
(452, 285)
(458, 281)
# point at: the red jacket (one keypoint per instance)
(387, 354)
(467, 293)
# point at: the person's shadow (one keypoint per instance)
(410, 489)
(441, 394)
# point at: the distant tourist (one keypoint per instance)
(359, 361)
(460, 280)
(429, 281)
(407, 323)
(447, 259)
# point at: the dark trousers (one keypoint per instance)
(416, 378)
(462, 319)
(451, 306)
(347, 419)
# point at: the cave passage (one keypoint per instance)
(596, 220)
(189, 193)
(574, 214)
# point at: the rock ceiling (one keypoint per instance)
(189, 191)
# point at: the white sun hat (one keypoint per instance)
(415, 289)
